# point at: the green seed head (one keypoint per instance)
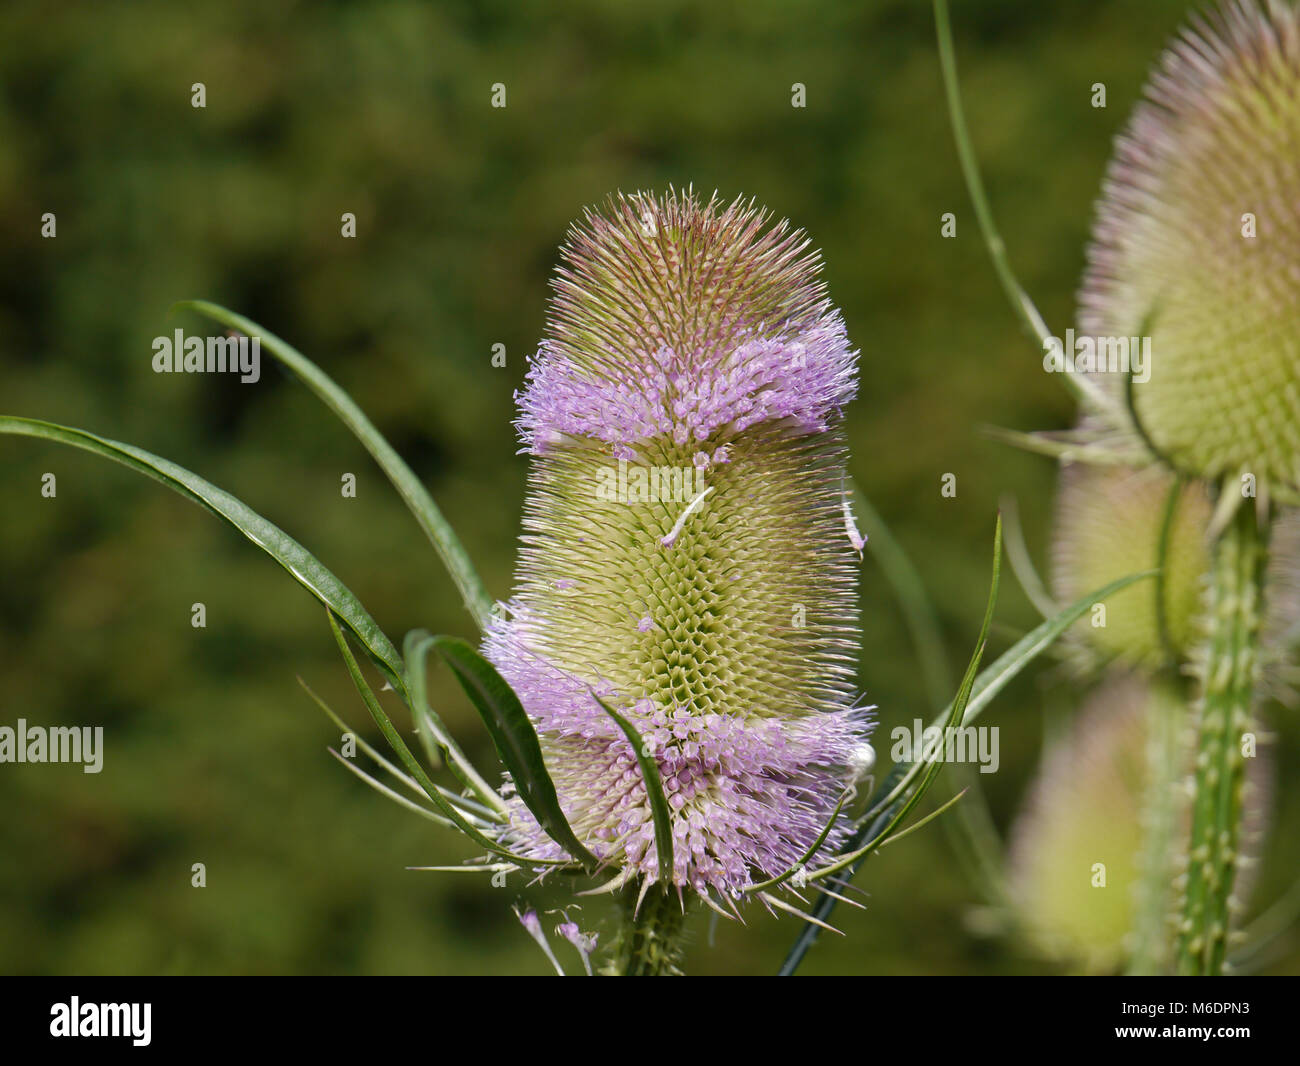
(1196, 245)
(1108, 524)
(1074, 850)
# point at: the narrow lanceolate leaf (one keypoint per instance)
(413, 493)
(515, 739)
(881, 811)
(654, 791)
(1011, 662)
(825, 906)
(880, 822)
(411, 763)
(305, 567)
(436, 738)
(1019, 299)
(795, 869)
(956, 712)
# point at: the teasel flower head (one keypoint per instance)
(1083, 810)
(1109, 522)
(1094, 853)
(685, 555)
(1196, 245)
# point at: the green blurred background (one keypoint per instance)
(213, 753)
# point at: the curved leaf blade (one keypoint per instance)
(304, 567)
(654, 788)
(515, 739)
(412, 764)
(882, 811)
(412, 491)
(435, 736)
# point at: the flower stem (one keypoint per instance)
(1228, 673)
(651, 941)
(1162, 804)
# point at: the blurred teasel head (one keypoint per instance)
(1196, 245)
(1075, 851)
(1110, 521)
(1095, 851)
(687, 556)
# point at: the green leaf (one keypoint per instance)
(435, 736)
(413, 493)
(881, 813)
(516, 741)
(301, 564)
(466, 805)
(974, 837)
(812, 850)
(956, 712)
(654, 789)
(412, 764)
(1017, 657)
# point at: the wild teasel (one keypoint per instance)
(1112, 520)
(1196, 250)
(703, 610)
(685, 559)
(1196, 245)
(1074, 866)
(1094, 858)
(1116, 520)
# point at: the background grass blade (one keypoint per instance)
(654, 788)
(881, 810)
(306, 569)
(409, 487)
(516, 741)
(909, 590)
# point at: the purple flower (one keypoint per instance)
(693, 341)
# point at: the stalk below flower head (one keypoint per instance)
(713, 605)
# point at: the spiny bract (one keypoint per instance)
(685, 553)
(1197, 245)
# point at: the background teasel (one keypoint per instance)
(1110, 799)
(1180, 260)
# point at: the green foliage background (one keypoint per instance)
(214, 755)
